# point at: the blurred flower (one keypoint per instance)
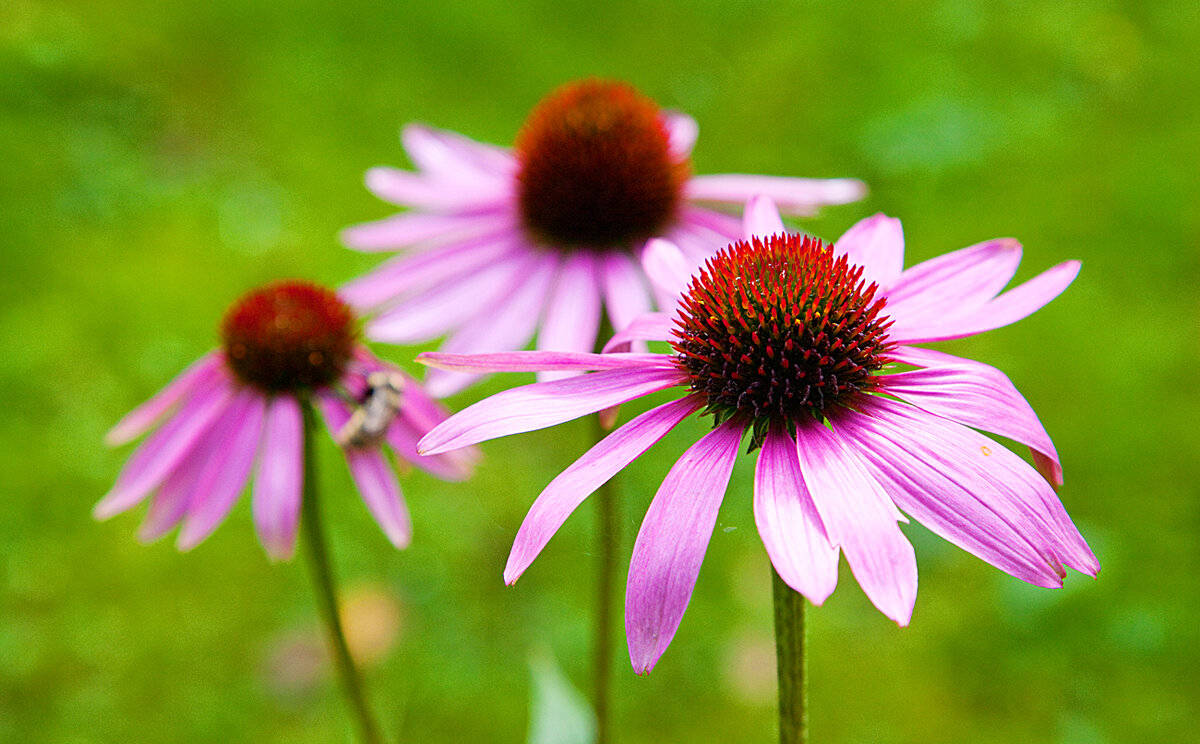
(239, 409)
(786, 338)
(503, 244)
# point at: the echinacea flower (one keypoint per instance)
(238, 411)
(501, 245)
(795, 343)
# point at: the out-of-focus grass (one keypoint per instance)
(158, 159)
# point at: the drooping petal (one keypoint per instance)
(788, 521)
(1015, 304)
(409, 272)
(169, 503)
(536, 361)
(963, 459)
(572, 310)
(510, 326)
(416, 190)
(451, 155)
(567, 491)
(682, 131)
(201, 373)
(545, 404)
(953, 284)
(377, 484)
(625, 294)
(963, 506)
(979, 396)
(792, 195)
(761, 218)
(279, 480)
(417, 228)
(155, 458)
(649, 327)
(877, 245)
(225, 475)
(860, 519)
(672, 541)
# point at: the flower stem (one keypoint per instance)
(608, 540)
(322, 572)
(791, 650)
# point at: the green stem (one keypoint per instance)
(791, 647)
(322, 572)
(608, 539)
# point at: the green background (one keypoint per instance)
(157, 159)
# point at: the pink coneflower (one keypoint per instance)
(239, 409)
(793, 344)
(505, 244)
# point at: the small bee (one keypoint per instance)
(379, 406)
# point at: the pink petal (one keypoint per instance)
(877, 245)
(381, 493)
(415, 273)
(203, 372)
(625, 295)
(698, 245)
(452, 155)
(420, 191)
(415, 228)
(918, 468)
(962, 459)
(572, 310)
(716, 229)
(860, 519)
(166, 448)
(1015, 304)
(279, 480)
(170, 502)
(403, 436)
(792, 195)
(682, 131)
(667, 268)
(537, 361)
(977, 395)
(225, 475)
(671, 544)
(509, 327)
(449, 303)
(953, 284)
(585, 475)
(761, 218)
(788, 521)
(649, 327)
(545, 404)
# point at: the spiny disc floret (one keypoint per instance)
(289, 336)
(780, 328)
(596, 167)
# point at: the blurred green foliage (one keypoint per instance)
(157, 159)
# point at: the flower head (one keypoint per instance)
(501, 245)
(796, 343)
(238, 411)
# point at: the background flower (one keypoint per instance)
(502, 244)
(238, 410)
